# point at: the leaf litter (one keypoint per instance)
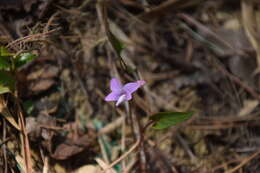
(194, 55)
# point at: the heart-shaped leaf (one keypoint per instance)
(166, 119)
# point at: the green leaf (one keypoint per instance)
(28, 106)
(5, 63)
(7, 82)
(166, 119)
(24, 58)
(27, 57)
(118, 46)
(4, 89)
(4, 52)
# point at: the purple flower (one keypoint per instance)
(122, 93)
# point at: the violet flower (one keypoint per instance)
(122, 93)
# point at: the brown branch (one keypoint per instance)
(244, 162)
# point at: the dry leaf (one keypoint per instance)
(21, 163)
(6, 113)
(88, 169)
(42, 85)
(250, 21)
(249, 106)
(45, 72)
(71, 147)
(58, 168)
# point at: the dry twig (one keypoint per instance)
(244, 162)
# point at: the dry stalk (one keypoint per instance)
(136, 144)
(24, 140)
(244, 162)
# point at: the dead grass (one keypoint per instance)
(194, 55)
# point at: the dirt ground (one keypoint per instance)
(194, 55)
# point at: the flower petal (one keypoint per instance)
(113, 96)
(131, 87)
(141, 82)
(115, 84)
(128, 96)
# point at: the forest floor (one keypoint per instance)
(194, 55)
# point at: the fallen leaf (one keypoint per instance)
(243, 67)
(88, 169)
(45, 72)
(4, 111)
(20, 162)
(71, 147)
(250, 24)
(249, 106)
(42, 85)
(59, 168)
